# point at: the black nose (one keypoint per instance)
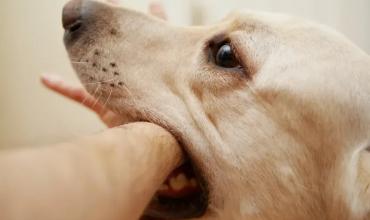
(72, 20)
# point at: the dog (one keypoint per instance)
(272, 111)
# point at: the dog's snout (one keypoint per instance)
(72, 15)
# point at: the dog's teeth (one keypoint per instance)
(179, 182)
(164, 187)
(193, 183)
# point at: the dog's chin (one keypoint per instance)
(183, 195)
(185, 192)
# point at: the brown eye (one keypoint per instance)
(225, 57)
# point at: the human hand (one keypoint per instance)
(110, 175)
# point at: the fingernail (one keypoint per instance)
(51, 78)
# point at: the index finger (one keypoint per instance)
(78, 94)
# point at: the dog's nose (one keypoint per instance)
(72, 15)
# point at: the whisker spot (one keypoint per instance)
(113, 31)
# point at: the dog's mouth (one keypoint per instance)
(183, 195)
(185, 192)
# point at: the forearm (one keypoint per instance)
(111, 175)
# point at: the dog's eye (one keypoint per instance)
(225, 57)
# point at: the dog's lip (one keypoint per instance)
(199, 205)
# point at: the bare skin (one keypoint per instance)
(112, 175)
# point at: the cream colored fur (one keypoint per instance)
(288, 141)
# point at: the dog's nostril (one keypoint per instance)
(74, 27)
(72, 15)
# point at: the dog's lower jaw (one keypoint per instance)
(193, 205)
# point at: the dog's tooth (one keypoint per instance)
(179, 182)
(193, 183)
(164, 187)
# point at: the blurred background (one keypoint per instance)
(31, 44)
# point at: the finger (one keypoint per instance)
(77, 94)
(156, 9)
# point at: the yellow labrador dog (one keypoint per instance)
(272, 111)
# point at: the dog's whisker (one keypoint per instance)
(100, 82)
(82, 62)
(97, 100)
(109, 80)
(106, 102)
(96, 90)
(93, 83)
(76, 60)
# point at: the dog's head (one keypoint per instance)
(272, 111)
